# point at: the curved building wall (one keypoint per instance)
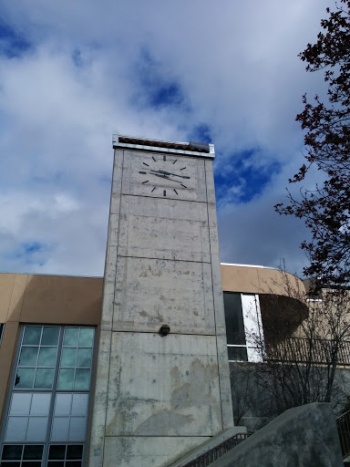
(259, 280)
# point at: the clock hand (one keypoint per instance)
(164, 172)
(159, 175)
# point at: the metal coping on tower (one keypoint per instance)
(192, 148)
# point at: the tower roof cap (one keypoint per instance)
(191, 148)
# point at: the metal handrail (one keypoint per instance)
(216, 452)
(299, 349)
(343, 425)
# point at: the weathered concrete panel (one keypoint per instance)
(172, 229)
(140, 451)
(176, 293)
(163, 386)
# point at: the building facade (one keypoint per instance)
(133, 368)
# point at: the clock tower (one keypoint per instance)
(162, 383)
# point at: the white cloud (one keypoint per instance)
(236, 67)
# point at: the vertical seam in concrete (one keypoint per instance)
(115, 280)
(213, 292)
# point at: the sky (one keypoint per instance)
(72, 73)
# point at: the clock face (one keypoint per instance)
(166, 176)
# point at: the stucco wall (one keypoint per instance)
(259, 280)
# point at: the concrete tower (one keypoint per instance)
(162, 384)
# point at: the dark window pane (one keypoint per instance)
(33, 451)
(44, 378)
(50, 336)
(2, 327)
(68, 357)
(84, 358)
(10, 464)
(12, 452)
(24, 378)
(75, 451)
(86, 337)
(82, 380)
(32, 335)
(237, 353)
(31, 464)
(47, 356)
(71, 336)
(57, 451)
(234, 319)
(55, 464)
(73, 464)
(65, 379)
(28, 356)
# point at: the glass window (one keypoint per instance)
(2, 328)
(63, 405)
(86, 337)
(32, 335)
(60, 429)
(234, 319)
(65, 379)
(82, 379)
(20, 404)
(16, 429)
(47, 356)
(243, 327)
(12, 452)
(40, 404)
(77, 429)
(237, 354)
(36, 430)
(71, 336)
(28, 356)
(50, 396)
(50, 336)
(80, 404)
(44, 378)
(24, 378)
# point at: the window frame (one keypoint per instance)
(54, 393)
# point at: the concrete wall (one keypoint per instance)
(26, 298)
(305, 436)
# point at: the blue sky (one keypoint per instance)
(73, 73)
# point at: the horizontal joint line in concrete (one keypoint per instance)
(166, 198)
(171, 332)
(164, 259)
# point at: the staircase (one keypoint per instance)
(214, 453)
(343, 425)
